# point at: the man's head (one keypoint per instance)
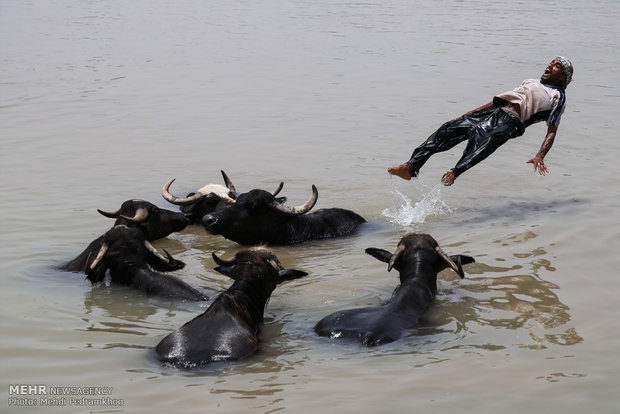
(559, 72)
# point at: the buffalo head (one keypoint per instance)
(204, 200)
(132, 260)
(122, 244)
(256, 265)
(415, 249)
(257, 217)
(209, 198)
(155, 222)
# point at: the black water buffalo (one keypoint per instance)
(228, 329)
(418, 258)
(211, 197)
(257, 217)
(130, 257)
(156, 223)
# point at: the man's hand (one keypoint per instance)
(539, 165)
(538, 162)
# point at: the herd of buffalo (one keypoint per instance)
(228, 329)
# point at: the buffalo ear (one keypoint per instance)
(379, 254)
(290, 274)
(162, 263)
(173, 264)
(461, 260)
(464, 259)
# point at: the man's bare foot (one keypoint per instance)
(404, 171)
(448, 178)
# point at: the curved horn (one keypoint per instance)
(277, 190)
(176, 200)
(222, 262)
(139, 217)
(229, 184)
(457, 268)
(397, 253)
(109, 214)
(301, 209)
(153, 250)
(102, 251)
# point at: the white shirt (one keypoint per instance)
(537, 102)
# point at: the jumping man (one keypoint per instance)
(490, 126)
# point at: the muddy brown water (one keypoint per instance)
(105, 101)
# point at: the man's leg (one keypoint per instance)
(484, 139)
(447, 136)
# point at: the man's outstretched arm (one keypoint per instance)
(538, 160)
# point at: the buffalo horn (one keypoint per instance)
(139, 217)
(397, 253)
(233, 190)
(153, 250)
(177, 200)
(221, 261)
(301, 209)
(229, 184)
(102, 251)
(109, 214)
(457, 268)
(277, 190)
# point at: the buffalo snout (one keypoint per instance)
(208, 221)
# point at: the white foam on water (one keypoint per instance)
(406, 212)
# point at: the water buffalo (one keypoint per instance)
(130, 257)
(418, 258)
(206, 199)
(257, 217)
(228, 329)
(156, 223)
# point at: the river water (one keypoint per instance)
(104, 101)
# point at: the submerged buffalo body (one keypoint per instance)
(257, 217)
(133, 261)
(155, 223)
(228, 329)
(418, 258)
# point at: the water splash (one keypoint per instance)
(405, 213)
